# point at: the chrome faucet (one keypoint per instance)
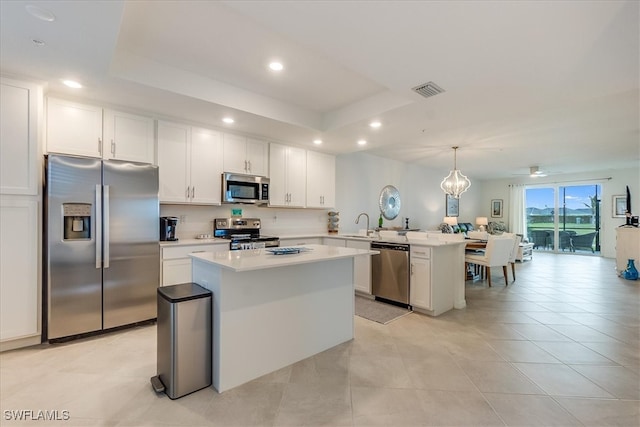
(358, 219)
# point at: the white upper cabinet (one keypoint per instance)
(128, 137)
(258, 157)
(19, 117)
(288, 166)
(206, 166)
(321, 180)
(190, 164)
(245, 155)
(173, 155)
(77, 129)
(74, 128)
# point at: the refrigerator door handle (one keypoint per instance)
(105, 226)
(96, 226)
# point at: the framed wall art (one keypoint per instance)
(452, 206)
(496, 208)
(619, 206)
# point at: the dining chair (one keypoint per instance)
(496, 254)
(517, 238)
(540, 238)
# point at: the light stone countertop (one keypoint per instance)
(259, 259)
(347, 236)
(189, 242)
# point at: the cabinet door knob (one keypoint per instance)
(113, 148)
(100, 146)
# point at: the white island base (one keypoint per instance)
(270, 311)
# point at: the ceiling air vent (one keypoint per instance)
(428, 89)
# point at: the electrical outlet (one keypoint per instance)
(183, 219)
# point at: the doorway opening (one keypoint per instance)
(564, 218)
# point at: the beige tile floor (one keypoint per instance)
(559, 347)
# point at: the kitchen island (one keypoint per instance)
(270, 311)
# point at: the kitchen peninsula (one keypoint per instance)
(270, 311)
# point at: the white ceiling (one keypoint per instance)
(554, 84)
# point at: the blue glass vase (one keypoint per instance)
(631, 273)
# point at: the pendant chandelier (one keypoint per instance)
(455, 183)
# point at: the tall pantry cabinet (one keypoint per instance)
(20, 213)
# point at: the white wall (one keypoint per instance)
(499, 189)
(360, 177)
(275, 221)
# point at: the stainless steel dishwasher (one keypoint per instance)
(390, 272)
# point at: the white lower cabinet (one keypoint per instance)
(300, 241)
(420, 289)
(19, 268)
(361, 264)
(176, 263)
(435, 273)
(627, 247)
(361, 267)
(175, 271)
(329, 241)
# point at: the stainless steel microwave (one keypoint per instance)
(238, 188)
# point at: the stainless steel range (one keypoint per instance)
(244, 233)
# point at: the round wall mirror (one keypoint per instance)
(389, 202)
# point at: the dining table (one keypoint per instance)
(474, 271)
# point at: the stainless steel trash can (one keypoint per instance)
(184, 339)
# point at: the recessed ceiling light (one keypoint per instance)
(317, 141)
(72, 84)
(375, 124)
(276, 66)
(228, 120)
(40, 13)
(362, 142)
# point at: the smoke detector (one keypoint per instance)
(428, 89)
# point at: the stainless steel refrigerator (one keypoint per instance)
(102, 252)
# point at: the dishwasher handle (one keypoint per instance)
(390, 246)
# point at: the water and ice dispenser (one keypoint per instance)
(76, 221)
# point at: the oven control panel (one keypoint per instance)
(236, 223)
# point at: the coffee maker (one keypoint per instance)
(168, 228)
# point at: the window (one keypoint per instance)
(564, 218)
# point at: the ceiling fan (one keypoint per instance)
(535, 172)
